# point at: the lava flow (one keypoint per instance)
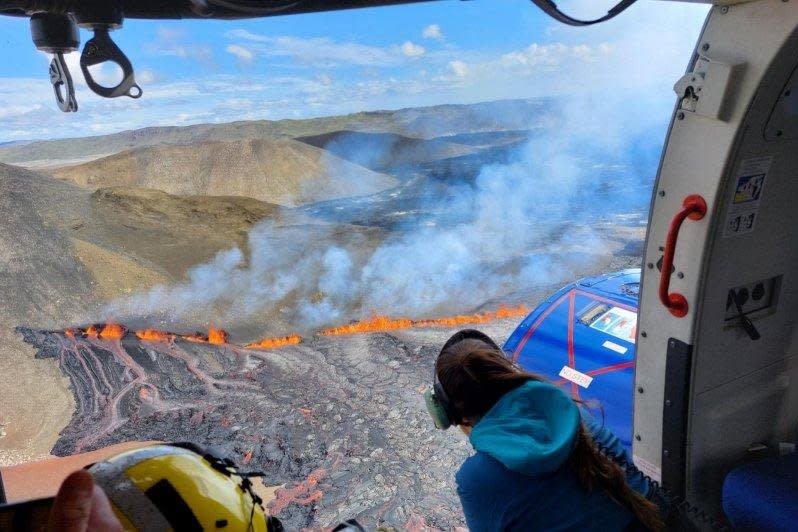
(114, 331)
(103, 331)
(272, 343)
(196, 338)
(307, 418)
(217, 336)
(375, 324)
(154, 335)
(385, 323)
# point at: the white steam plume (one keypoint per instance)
(521, 223)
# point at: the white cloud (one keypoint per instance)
(166, 33)
(237, 103)
(242, 53)
(200, 52)
(458, 68)
(328, 53)
(433, 31)
(171, 42)
(319, 51)
(410, 49)
(146, 76)
(556, 63)
(552, 54)
(17, 111)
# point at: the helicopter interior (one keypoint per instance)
(717, 349)
(716, 355)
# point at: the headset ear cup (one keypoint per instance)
(436, 410)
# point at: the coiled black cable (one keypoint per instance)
(676, 506)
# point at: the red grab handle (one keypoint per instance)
(693, 207)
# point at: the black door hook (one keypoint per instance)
(100, 49)
(62, 84)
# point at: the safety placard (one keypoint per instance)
(618, 322)
(747, 193)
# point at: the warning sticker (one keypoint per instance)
(747, 192)
(577, 377)
(649, 469)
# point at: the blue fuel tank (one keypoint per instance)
(583, 339)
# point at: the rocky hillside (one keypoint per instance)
(381, 151)
(64, 251)
(281, 171)
(424, 122)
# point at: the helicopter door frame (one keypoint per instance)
(687, 340)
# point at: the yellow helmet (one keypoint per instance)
(180, 487)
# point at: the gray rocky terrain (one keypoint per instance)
(338, 421)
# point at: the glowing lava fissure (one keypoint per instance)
(154, 335)
(113, 331)
(217, 336)
(272, 343)
(385, 323)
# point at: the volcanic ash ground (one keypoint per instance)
(339, 421)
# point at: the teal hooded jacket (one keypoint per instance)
(519, 480)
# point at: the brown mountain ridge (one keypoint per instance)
(282, 171)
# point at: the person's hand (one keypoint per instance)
(81, 506)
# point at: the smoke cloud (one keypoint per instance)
(528, 217)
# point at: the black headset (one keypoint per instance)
(440, 408)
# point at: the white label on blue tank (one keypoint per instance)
(577, 377)
(612, 346)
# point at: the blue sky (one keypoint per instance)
(332, 63)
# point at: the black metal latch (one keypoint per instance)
(745, 322)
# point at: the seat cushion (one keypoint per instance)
(763, 495)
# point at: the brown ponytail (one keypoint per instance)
(475, 375)
(593, 469)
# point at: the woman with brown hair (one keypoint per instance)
(537, 465)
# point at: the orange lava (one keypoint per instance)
(521, 311)
(154, 335)
(115, 331)
(196, 338)
(304, 492)
(472, 319)
(271, 343)
(384, 323)
(377, 323)
(112, 331)
(217, 336)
